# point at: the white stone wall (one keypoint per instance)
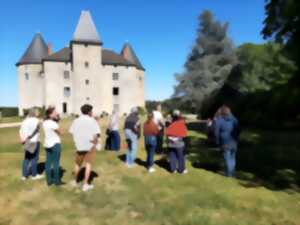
(31, 91)
(55, 83)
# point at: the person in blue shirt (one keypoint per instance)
(227, 135)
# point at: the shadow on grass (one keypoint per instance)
(81, 176)
(264, 158)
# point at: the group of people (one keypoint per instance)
(223, 130)
(86, 136)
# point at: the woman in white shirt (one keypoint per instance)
(52, 146)
(29, 136)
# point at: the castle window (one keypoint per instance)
(87, 98)
(116, 91)
(115, 76)
(66, 74)
(26, 76)
(87, 82)
(67, 91)
(86, 64)
(116, 107)
(140, 78)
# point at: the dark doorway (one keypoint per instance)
(65, 107)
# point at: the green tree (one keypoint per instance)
(282, 23)
(261, 67)
(209, 63)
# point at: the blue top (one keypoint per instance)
(227, 131)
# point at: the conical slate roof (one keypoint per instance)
(129, 54)
(86, 30)
(36, 51)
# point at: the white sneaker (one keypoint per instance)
(151, 170)
(87, 187)
(74, 184)
(23, 178)
(37, 177)
(185, 171)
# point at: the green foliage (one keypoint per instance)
(209, 63)
(262, 67)
(282, 23)
(9, 111)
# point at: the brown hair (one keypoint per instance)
(48, 112)
(225, 110)
(150, 117)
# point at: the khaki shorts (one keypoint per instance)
(86, 156)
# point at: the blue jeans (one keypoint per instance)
(177, 159)
(115, 140)
(229, 157)
(132, 142)
(53, 161)
(31, 158)
(150, 145)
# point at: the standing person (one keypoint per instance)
(151, 131)
(132, 134)
(52, 146)
(86, 132)
(29, 136)
(113, 132)
(159, 121)
(176, 132)
(227, 134)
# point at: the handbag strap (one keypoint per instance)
(35, 131)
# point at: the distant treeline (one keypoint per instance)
(8, 111)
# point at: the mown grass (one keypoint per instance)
(12, 119)
(123, 196)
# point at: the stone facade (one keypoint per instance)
(82, 73)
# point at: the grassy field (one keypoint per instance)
(12, 119)
(132, 196)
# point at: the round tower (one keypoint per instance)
(30, 75)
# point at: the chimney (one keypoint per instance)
(49, 48)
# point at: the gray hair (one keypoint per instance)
(134, 110)
(176, 112)
(32, 112)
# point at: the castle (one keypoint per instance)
(83, 72)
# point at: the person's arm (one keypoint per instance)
(22, 135)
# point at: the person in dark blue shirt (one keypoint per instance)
(227, 135)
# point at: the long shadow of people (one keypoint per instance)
(140, 162)
(82, 173)
(163, 163)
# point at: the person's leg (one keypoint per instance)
(48, 164)
(113, 140)
(35, 159)
(128, 153)
(152, 147)
(173, 159)
(78, 163)
(56, 163)
(25, 165)
(89, 157)
(181, 159)
(118, 140)
(134, 146)
(226, 153)
(232, 162)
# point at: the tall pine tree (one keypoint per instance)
(209, 63)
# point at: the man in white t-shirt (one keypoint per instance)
(159, 121)
(86, 132)
(29, 137)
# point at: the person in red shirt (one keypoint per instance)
(175, 133)
(151, 130)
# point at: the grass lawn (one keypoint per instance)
(132, 196)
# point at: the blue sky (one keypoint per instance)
(161, 32)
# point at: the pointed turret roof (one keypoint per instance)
(129, 54)
(86, 30)
(36, 51)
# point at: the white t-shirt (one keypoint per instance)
(158, 118)
(27, 128)
(84, 129)
(51, 136)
